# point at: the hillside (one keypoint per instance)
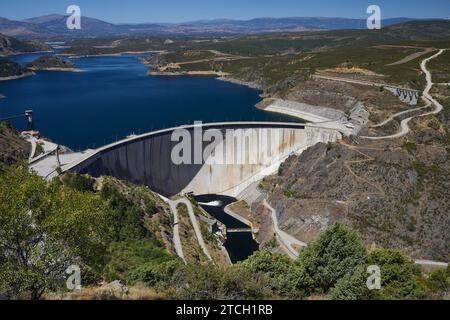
(415, 30)
(9, 68)
(119, 236)
(10, 45)
(12, 147)
(49, 62)
(14, 28)
(54, 25)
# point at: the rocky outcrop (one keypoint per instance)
(394, 197)
(12, 147)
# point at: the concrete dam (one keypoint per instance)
(218, 158)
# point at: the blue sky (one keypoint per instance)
(189, 10)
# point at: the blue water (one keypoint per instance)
(239, 245)
(114, 97)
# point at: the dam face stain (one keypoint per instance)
(240, 245)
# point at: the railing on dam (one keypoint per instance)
(220, 158)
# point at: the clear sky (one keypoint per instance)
(189, 10)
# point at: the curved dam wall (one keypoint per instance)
(221, 158)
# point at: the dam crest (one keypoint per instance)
(148, 159)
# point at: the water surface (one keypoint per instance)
(114, 97)
(239, 245)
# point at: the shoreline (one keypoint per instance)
(19, 53)
(187, 73)
(220, 75)
(250, 84)
(118, 54)
(24, 75)
(57, 69)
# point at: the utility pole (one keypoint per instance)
(57, 156)
(29, 116)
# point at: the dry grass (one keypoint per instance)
(352, 70)
(105, 293)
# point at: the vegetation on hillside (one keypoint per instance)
(10, 45)
(50, 226)
(48, 62)
(9, 68)
(47, 227)
(12, 147)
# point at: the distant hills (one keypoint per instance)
(54, 26)
(10, 45)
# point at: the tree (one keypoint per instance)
(31, 261)
(84, 222)
(399, 275)
(287, 278)
(353, 286)
(399, 279)
(213, 283)
(438, 284)
(336, 252)
(157, 275)
(46, 228)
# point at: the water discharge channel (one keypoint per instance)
(240, 245)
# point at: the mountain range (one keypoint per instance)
(54, 27)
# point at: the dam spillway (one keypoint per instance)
(247, 152)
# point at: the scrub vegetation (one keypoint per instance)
(111, 236)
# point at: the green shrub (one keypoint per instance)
(399, 275)
(288, 193)
(286, 277)
(353, 286)
(78, 182)
(159, 275)
(337, 252)
(127, 256)
(438, 284)
(212, 283)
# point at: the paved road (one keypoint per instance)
(286, 240)
(176, 230)
(194, 221)
(430, 263)
(397, 115)
(426, 93)
(404, 127)
(33, 149)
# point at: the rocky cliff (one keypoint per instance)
(394, 193)
(12, 147)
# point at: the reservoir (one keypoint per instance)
(240, 245)
(114, 97)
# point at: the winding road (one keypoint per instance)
(176, 230)
(286, 240)
(395, 115)
(195, 224)
(429, 100)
